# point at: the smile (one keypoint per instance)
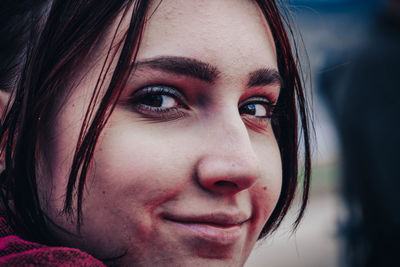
(219, 229)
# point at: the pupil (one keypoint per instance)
(153, 100)
(248, 109)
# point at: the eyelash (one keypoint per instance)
(137, 99)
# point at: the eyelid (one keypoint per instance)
(258, 100)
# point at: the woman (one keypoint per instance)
(152, 133)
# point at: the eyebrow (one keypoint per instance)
(264, 76)
(206, 72)
(182, 66)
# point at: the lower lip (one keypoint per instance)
(223, 235)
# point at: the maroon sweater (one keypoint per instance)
(17, 252)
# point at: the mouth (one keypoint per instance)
(218, 228)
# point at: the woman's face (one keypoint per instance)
(187, 170)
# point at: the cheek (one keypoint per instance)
(135, 170)
(266, 193)
(138, 164)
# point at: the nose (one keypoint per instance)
(229, 163)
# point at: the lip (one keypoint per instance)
(218, 228)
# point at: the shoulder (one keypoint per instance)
(15, 251)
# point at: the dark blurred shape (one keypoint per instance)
(364, 97)
(16, 18)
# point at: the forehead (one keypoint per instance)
(230, 34)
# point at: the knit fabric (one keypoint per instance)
(17, 252)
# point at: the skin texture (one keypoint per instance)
(202, 161)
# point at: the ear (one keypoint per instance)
(4, 97)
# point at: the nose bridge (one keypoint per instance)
(229, 134)
(228, 163)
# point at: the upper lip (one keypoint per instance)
(217, 218)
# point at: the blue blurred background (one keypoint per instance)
(332, 32)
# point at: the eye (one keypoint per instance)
(158, 102)
(257, 110)
(259, 107)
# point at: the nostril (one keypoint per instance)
(225, 184)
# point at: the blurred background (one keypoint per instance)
(334, 32)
